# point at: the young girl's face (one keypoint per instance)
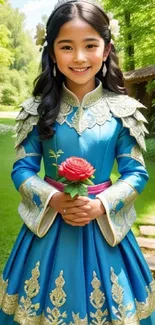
(79, 52)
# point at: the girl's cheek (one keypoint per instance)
(95, 56)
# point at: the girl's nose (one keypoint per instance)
(79, 57)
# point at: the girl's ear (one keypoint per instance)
(106, 51)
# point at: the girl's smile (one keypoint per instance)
(80, 71)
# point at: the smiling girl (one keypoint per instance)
(76, 261)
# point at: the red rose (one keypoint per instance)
(76, 169)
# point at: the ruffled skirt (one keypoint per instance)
(72, 276)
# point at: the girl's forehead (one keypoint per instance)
(77, 27)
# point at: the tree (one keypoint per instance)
(18, 57)
(6, 57)
(137, 21)
(21, 42)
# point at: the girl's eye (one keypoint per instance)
(67, 47)
(90, 46)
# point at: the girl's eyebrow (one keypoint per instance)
(85, 40)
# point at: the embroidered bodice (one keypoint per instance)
(97, 107)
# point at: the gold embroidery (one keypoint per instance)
(97, 300)
(144, 308)
(78, 320)
(10, 304)
(34, 209)
(21, 153)
(24, 127)
(89, 99)
(120, 213)
(3, 288)
(58, 299)
(100, 104)
(135, 154)
(26, 311)
(122, 312)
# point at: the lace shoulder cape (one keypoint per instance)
(111, 104)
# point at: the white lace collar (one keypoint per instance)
(89, 99)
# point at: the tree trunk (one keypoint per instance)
(129, 45)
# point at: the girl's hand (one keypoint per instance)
(74, 211)
(97, 209)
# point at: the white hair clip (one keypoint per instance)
(114, 26)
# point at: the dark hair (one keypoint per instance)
(49, 87)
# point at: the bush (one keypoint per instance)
(9, 95)
(150, 153)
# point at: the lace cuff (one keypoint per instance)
(120, 213)
(34, 209)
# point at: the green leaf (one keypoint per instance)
(52, 154)
(82, 190)
(69, 188)
(60, 152)
(88, 182)
(54, 165)
(92, 177)
(74, 192)
(62, 179)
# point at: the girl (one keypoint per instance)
(76, 261)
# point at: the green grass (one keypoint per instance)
(10, 222)
(9, 199)
(150, 153)
(6, 108)
(145, 203)
(7, 121)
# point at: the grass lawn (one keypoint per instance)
(5, 108)
(10, 222)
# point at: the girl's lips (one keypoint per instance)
(79, 70)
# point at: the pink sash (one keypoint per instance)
(93, 189)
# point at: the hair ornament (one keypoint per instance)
(113, 26)
(93, 2)
(41, 36)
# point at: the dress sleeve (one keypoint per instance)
(119, 198)
(35, 192)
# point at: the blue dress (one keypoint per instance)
(91, 275)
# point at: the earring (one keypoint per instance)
(104, 69)
(54, 71)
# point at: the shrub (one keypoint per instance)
(9, 95)
(150, 153)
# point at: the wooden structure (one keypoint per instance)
(136, 81)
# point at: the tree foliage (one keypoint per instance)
(6, 57)
(18, 57)
(137, 22)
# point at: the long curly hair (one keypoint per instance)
(48, 87)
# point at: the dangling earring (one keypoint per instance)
(54, 71)
(104, 69)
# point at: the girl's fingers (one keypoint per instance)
(76, 201)
(79, 224)
(72, 205)
(80, 217)
(83, 211)
(78, 220)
